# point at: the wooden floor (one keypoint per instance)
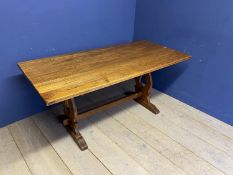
(124, 140)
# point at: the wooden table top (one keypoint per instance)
(63, 77)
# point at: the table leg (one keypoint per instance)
(70, 111)
(144, 100)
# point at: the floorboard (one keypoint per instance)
(197, 128)
(124, 140)
(200, 147)
(36, 150)
(136, 148)
(109, 153)
(11, 161)
(178, 154)
(78, 161)
(194, 114)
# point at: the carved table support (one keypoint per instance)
(70, 111)
(141, 95)
(144, 99)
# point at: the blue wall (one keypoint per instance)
(32, 29)
(203, 29)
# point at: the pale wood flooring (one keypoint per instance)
(124, 140)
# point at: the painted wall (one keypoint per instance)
(203, 29)
(32, 29)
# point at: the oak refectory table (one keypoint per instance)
(62, 78)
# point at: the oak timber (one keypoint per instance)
(61, 78)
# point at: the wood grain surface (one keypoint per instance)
(63, 77)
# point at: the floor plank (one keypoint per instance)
(38, 153)
(11, 161)
(127, 139)
(117, 161)
(144, 154)
(194, 114)
(178, 154)
(200, 147)
(197, 128)
(79, 162)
